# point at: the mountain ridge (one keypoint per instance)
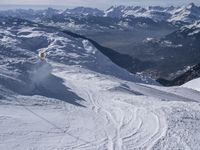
(186, 14)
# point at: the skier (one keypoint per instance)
(42, 54)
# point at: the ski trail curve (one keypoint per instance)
(126, 126)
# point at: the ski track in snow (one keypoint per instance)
(111, 119)
(127, 126)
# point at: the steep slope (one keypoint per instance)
(22, 36)
(122, 60)
(78, 99)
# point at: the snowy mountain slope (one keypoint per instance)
(83, 11)
(25, 37)
(187, 14)
(113, 118)
(176, 15)
(79, 99)
(192, 30)
(193, 84)
(137, 11)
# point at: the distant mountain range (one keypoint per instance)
(186, 14)
(161, 42)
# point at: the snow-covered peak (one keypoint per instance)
(115, 11)
(176, 15)
(189, 13)
(191, 5)
(125, 11)
(85, 11)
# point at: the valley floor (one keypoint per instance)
(101, 112)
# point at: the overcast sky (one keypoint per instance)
(97, 3)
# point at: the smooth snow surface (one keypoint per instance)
(79, 100)
(194, 84)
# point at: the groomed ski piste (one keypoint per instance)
(79, 100)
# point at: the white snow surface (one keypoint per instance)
(79, 100)
(194, 84)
